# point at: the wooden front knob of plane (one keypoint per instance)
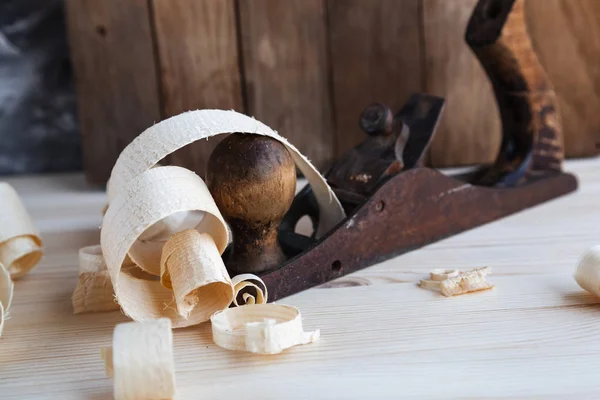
(253, 181)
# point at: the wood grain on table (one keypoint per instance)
(534, 336)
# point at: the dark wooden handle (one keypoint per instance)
(253, 180)
(531, 130)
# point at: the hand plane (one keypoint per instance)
(394, 203)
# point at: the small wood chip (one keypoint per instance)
(466, 282)
(94, 291)
(452, 282)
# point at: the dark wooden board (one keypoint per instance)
(197, 51)
(469, 131)
(113, 61)
(309, 67)
(566, 36)
(286, 72)
(376, 56)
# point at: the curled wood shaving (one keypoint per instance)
(466, 282)
(94, 291)
(257, 294)
(6, 294)
(20, 246)
(192, 266)
(260, 328)
(152, 196)
(20, 243)
(587, 273)
(140, 361)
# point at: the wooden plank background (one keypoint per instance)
(307, 68)
(113, 57)
(566, 35)
(286, 71)
(470, 131)
(375, 57)
(197, 55)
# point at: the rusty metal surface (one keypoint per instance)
(388, 147)
(387, 150)
(411, 210)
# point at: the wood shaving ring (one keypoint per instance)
(249, 289)
(260, 328)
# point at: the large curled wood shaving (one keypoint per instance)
(587, 273)
(167, 136)
(140, 361)
(260, 328)
(20, 243)
(149, 204)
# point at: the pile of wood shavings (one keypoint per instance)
(162, 221)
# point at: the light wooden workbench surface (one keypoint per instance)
(536, 335)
